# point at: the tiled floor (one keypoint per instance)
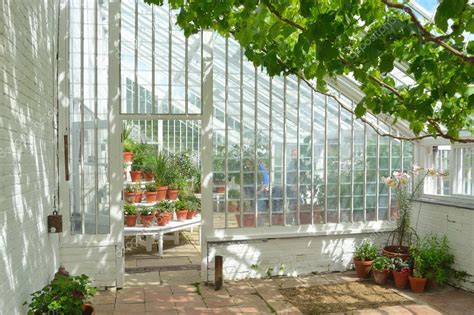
(180, 292)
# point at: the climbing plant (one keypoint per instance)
(317, 40)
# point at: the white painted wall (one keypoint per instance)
(457, 224)
(290, 256)
(29, 255)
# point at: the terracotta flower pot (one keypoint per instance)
(396, 251)
(190, 214)
(417, 284)
(146, 220)
(138, 197)
(148, 176)
(173, 194)
(150, 196)
(380, 277)
(88, 309)
(400, 278)
(131, 220)
(129, 197)
(127, 156)
(363, 268)
(167, 216)
(161, 219)
(136, 176)
(161, 193)
(181, 215)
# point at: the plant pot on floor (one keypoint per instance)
(380, 277)
(161, 193)
(88, 309)
(150, 196)
(396, 251)
(146, 220)
(181, 215)
(136, 176)
(131, 220)
(400, 278)
(417, 285)
(362, 268)
(127, 156)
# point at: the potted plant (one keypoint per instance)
(147, 173)
(381, 269)
(127, 144)
(400, 271)
(182, 207)
(132, 193)
(136, 172)
(164, 209)
(150, 193)
(403, 236)
(418, 279)
(364, 255)
(159, 164)
(194, 205)
(234, 199)
(64, 295)
(146, 216)
(130, 212)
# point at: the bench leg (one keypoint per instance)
(160, 244)
(149, 242)
(176, 238)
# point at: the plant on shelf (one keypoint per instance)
(130, 212)
(182, 207)
(146, 215)
(159, 164)
(364, 255)
(151, 192)
(64, 295)
(128, 144)
(381, 269)
(403, 236)
(132, 193)
(401, 271)
(164, 210)
(176, 182)
(136, 172)
(194, 205)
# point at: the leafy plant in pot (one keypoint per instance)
(159, 164)
(146, 216)
(136, 172)
(194, 205)
(418, 279)
(128, 144)
(132, 193)
(151, 192)
(364, 255)
(381, 269)
(164, 210)
(400, 271)
(64, 295)
(130, 212)
(403, 236)
(182, 207)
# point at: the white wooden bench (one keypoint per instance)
(172, 227)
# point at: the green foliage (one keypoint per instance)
(64, 295)
(362, 38)
(151, 187)
(132, 188)
(144, 211)
(194, 203)
(365, 251)
(182, 205)
(399, 264)
(233, 194)
(165, 206)
(381, 263)
(129, 209)
(159, 164)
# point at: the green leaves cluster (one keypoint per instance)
(320, 39)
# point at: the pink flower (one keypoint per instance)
(416, 169)
(390, 182)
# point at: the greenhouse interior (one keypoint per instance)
(237, 157)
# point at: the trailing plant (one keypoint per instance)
(365, 251)
(64, 295)
(129, 209)
(381, 263)
(367, 39)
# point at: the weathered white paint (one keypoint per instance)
(457, 223)
(29, 256)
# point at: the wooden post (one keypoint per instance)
(218, 273)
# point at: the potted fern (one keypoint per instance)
(364, 255)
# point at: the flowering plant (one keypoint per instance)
(400, 181)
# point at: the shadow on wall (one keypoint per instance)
(27, 146)
(287, 256)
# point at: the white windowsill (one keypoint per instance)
(276, 232)
(450, 201)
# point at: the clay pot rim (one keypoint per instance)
(363, 262)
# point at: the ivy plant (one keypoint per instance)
(317, 40)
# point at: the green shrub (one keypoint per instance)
(381, 263)
(129, 209)
(365, 251)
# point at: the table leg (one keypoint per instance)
(149, 242)
(176, 238)
(160, 244)
(199, 234)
